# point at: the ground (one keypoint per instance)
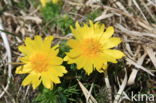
(134, 22)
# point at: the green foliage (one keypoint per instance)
(57, 95)
(22, 4)
(64, 22)
(46, 97)
(50, 12)
(53, 17)
(102, 95)
(93, 15)
(34, 3)
(63, 49)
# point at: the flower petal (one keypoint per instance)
(74, 53)
(28, 79)
(24, 50)
(98, 62)
(72, 43)
(46, 80)
(48, 41)
(53, 76)
(33, 45)
(112, 42)
(112, 55)
(88, 67)
(103, 68)
(109, 32)
(23, 69)
(43, 2)
(38, 40)
(56, 61)
(80, 61)
(36, 81)
(59, 70)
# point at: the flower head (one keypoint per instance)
(44, 2)
(40, 62)
(55, 1)
(91, 47)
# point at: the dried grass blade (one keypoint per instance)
(122, 87)
(8, 51)
(135, 71)
(139, 66)
(86, 92)
(151, 55)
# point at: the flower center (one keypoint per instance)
(91, 47)
(39, 62)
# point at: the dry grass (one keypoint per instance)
(134, 22)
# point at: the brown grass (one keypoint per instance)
(134, 22)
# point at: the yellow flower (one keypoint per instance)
(92, 47)
(44, 2)
(55, 1)
(40, 62)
